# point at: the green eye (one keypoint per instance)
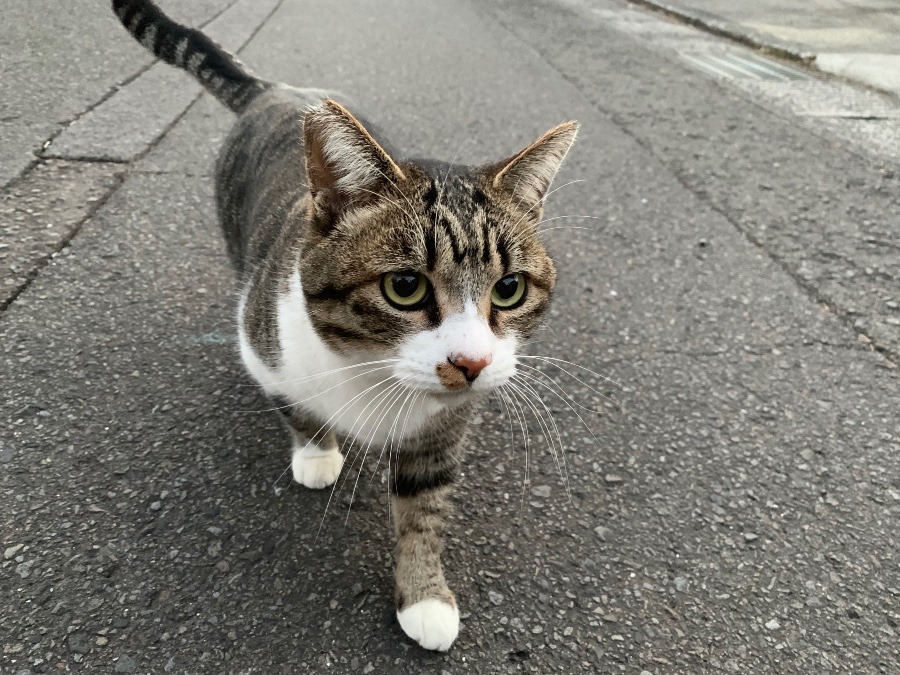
(404, 290)
(509, 291)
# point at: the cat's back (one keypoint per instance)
(261, 174)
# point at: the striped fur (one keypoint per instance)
(218, 71)
(316, 212)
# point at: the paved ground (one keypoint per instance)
(56, 65)
(737, 511)
(853, 38)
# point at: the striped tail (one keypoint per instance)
(219, 72)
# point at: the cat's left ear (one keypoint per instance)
(527, 175)
(343, 161)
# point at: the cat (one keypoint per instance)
(381, 299)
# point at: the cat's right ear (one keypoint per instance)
(345, 166)
(527, 175)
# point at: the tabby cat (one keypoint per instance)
(380, 298)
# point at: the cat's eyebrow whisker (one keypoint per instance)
(456, 155)
(387, 199)
(523, 382)
(547, 220)
(543, 199)
(413, 215)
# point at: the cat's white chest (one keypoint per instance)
(359, 399)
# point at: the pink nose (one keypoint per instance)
(470, 367)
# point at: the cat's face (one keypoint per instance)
(437, 267)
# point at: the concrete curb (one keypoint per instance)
(841, 65)
(716, 25)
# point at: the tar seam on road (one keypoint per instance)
(38, 266)
(39, 155)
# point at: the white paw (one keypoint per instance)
(316, 468)
(431, 623)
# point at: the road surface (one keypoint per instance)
(735, 509)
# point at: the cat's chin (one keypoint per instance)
(454, 398)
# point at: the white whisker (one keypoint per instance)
(547, 220)
(569, 398)
(335, 414)
(376, 401)
(544, 198)
(545, 428)
(551, 360)
(561, 462)
(575, 412)
(563, 227)
(317, 394)
(330, 372)
(518, 412)
(400, 392)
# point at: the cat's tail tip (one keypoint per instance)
(220, 72)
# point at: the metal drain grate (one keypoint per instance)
(741, 67)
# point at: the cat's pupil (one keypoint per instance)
(506, 287)
(405, 285)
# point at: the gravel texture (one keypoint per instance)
(733, 508)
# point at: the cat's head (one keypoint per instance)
(437, 266)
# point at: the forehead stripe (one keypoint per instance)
(502, 246)
(486, 243)
(440, 218)
(430, 197)
(431, 248)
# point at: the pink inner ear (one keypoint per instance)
(527, 175)
(342, 155)
(319, 172)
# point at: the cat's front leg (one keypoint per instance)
(426, 607)
(316, 460)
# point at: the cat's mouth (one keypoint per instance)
(451, 398)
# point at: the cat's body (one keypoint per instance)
(379, 298)
(257, 183)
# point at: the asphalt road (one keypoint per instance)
(736, 510)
